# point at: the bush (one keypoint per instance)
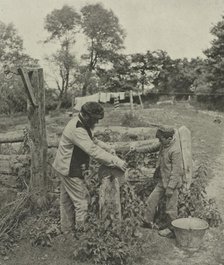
(13, 99)
(50, 100)
(102, 243)
(214, 103)
(132, 120)
(109, 241)
(195, 203)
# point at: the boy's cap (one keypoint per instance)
(165, 132)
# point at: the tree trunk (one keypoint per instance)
(86, 82)
(84, 89)
(59, 103)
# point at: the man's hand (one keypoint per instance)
(124, 166)
(120, 164)
(169, 192)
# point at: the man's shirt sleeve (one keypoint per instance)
(105, 146)
(81, 138)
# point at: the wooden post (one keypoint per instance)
(109, 193)
(34, 86)
(73, 103)
(131, 101)
(140, 99)
(72, 110)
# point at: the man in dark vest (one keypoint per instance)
(76, 146)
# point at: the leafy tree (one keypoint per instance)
(169, 77)
(119, 76)
(11, 45)
(210, 83)
(140, 67)
(200, 73)
(13, 98)
(182, 78)
(145, 68)
(215, 62)
(164, 66)
(104, 36)
(63, 24)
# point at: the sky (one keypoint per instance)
(180, 27)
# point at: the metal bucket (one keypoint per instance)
(189, 232)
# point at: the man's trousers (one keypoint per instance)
(74, 200)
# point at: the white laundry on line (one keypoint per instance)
(103, 97)
(122, 95)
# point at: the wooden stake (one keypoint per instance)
(131, 101)
(73, 103)
(140, 99)
(36, 116)
(28, 87)
(109, 193)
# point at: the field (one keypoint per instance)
(207, 147)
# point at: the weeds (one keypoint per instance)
(110, 241)
(130, 119)
(195, 202)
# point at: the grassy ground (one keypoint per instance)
(206, 147)
(206, 135)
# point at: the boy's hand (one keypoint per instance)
(132, 148)
(112, 151)
(169, 192)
